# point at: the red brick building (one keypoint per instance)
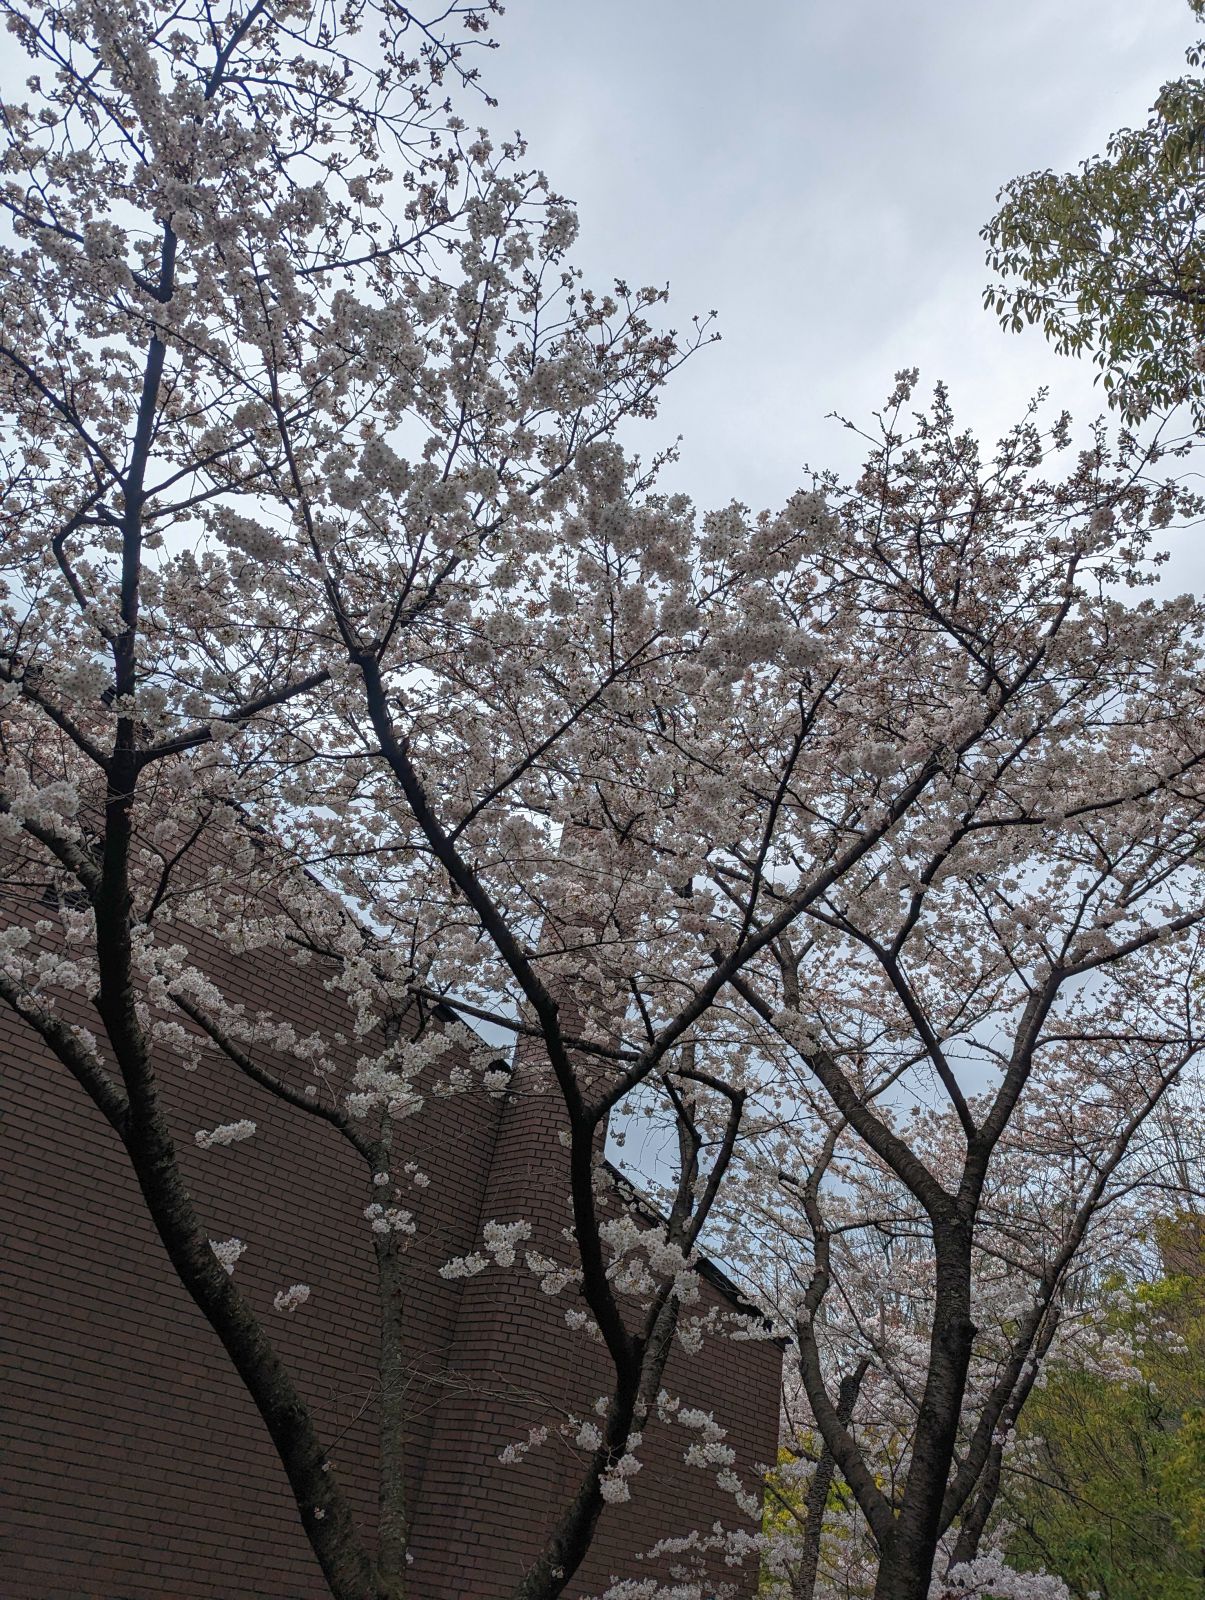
(135, 1466)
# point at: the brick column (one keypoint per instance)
(513, 1365)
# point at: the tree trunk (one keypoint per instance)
(566, 1548)
(804, 1585)
(966, 1546)
(631, 1407)
(325, 1514)
(393, 1532)
(907, 1555)
(987, 1490)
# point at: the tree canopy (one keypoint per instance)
(1109, 261)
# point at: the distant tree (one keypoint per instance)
(1106, 1486)
(1109, 261)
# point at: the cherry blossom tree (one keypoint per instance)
(1074, 1202)
(980, 956)
(321, 552)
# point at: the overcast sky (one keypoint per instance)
(818, 172)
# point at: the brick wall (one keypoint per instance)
(521, 1367)
(134, 1464)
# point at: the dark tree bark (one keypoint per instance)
(803, 1586)
(982, 1503)
(907, 1553)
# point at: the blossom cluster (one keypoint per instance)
(224, 1133)
(287, 1300)
(228, 1252)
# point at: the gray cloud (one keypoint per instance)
(819, 173)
